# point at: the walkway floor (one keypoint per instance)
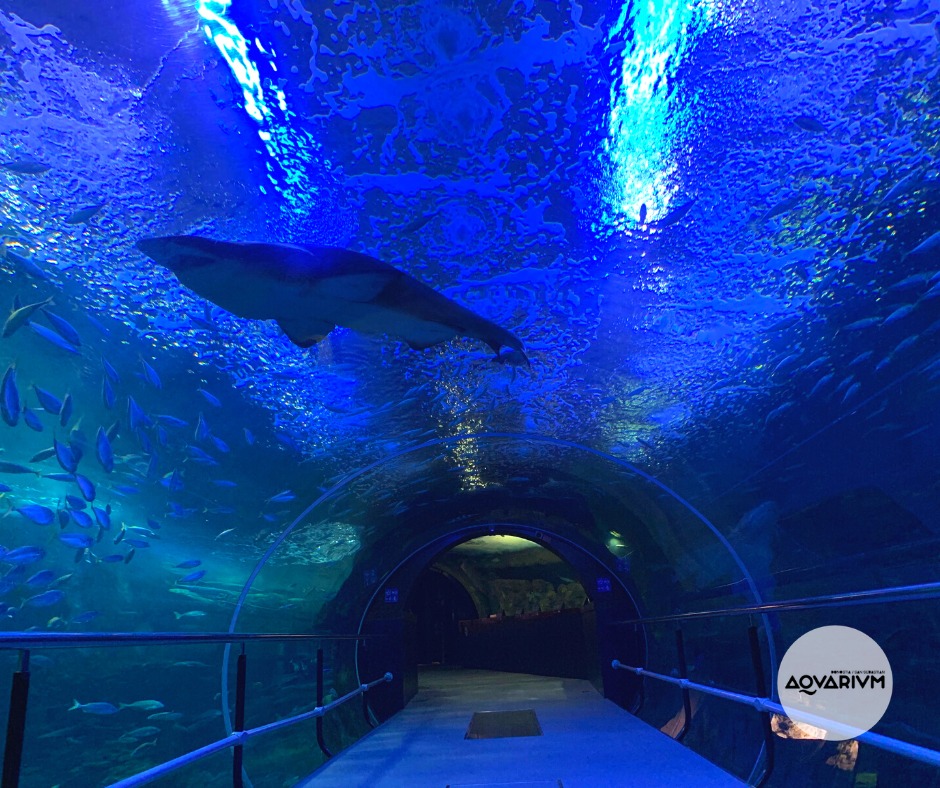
(587, 741)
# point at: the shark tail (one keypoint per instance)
(75, 705)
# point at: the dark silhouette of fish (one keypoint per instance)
(309, 290)
(809, 123)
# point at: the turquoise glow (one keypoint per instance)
(649, 121)
(234, 48)
(291, 149)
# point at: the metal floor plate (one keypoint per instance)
(537, 784)
(503, 724)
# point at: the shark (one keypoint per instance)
(309, 290)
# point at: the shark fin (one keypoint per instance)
(305, 335)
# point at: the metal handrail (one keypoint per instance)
(239, 738)
(29, 640)
(24, 642)
(910, 593)
(896, 746)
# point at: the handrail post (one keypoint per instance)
(16, 723)
(686, 697)
(320, 740)
(365, 706)
(238, 753)
(761, 687)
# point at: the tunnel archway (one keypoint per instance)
(646, 539)
(386, 616)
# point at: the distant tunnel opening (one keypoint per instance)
(503, 603)
(512, 599)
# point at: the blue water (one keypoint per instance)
(713, 228)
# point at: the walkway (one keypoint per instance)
(587, 741)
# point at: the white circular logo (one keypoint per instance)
(837, 680)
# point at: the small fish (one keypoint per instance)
(85, 214)
(141, 747)
(190, 614)
(224, 483)
(220, 444)
(190, 663)
(82, 519)
(202, 429)
(198, 455)
(108, 398)
(78, 541)
(150, 375)
(139, 733)
(86, 486)
(170, 421)
(66, 413)
(809, 123)
(193, 577)
(865, 322)
(223, 533)
(191, 564)
(19, 316)
(135, 415)
(10, 397)
(98, 707)
(210, 398)
(53, 338)
(861, 357)
(110, 371)
(45, 454)
(74, 502)
(138, 543)
(12, 467)
(113, 431)
(27, 265)
(22, 556)
(851, 392)
(113, 559)
(130, 556)
(927, 246)
(173, 481)
(144, 705)
(32, 420)
(45, 599)
(249, 437)
(675, 215)
(65, 456)
(41, 578)
(103, 451)
(166, 716)
(59, 477)
(63, 328)
(103, 517)
(40, 515)
(421, 221)
(26, 165)
(282, 497)
(900, 312)
(84, 618)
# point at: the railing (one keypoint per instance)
(761, 702)
(912, 593)
(25, 641)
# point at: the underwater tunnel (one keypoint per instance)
(469, 393)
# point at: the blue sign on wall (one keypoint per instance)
(603, 585)
(391, 595)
